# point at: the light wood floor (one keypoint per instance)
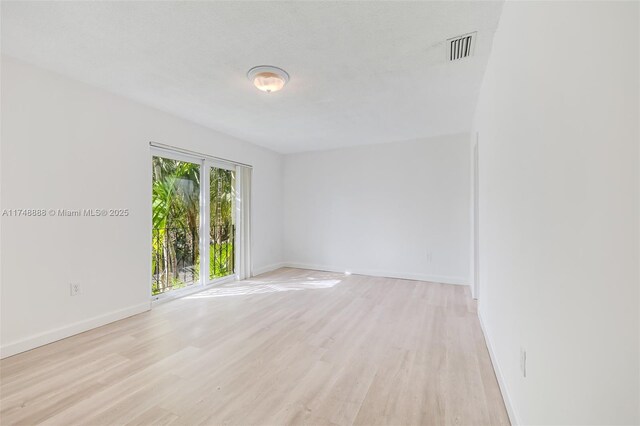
(288, 347)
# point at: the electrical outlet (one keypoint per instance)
(429, 257)
(523, 362)
(75, 289)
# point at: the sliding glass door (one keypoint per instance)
(194, 216)
(222, 229)
(175, 256)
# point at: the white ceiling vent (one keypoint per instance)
(461, 47)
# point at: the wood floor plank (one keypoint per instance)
(287, 347)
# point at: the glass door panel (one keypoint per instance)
(222, 224)
(175, 256)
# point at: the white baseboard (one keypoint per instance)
(50, 336)
(268, 268)
(377, 273)
(501, 383)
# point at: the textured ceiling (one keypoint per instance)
(361, 72)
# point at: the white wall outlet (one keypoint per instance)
(523, 362)
(75, 289)
(429, 257)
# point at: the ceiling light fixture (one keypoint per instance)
(267, 78)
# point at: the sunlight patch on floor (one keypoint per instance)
(259, 288)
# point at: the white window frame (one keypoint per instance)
(205, 170)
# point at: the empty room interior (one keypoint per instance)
(320, 213)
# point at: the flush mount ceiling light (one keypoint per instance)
(267, 78)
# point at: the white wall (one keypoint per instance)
(69, 145)
(559, 184)
(381, 209)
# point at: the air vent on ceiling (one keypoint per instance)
(462, 46)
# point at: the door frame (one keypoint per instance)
(476, 218)
(205, 164)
